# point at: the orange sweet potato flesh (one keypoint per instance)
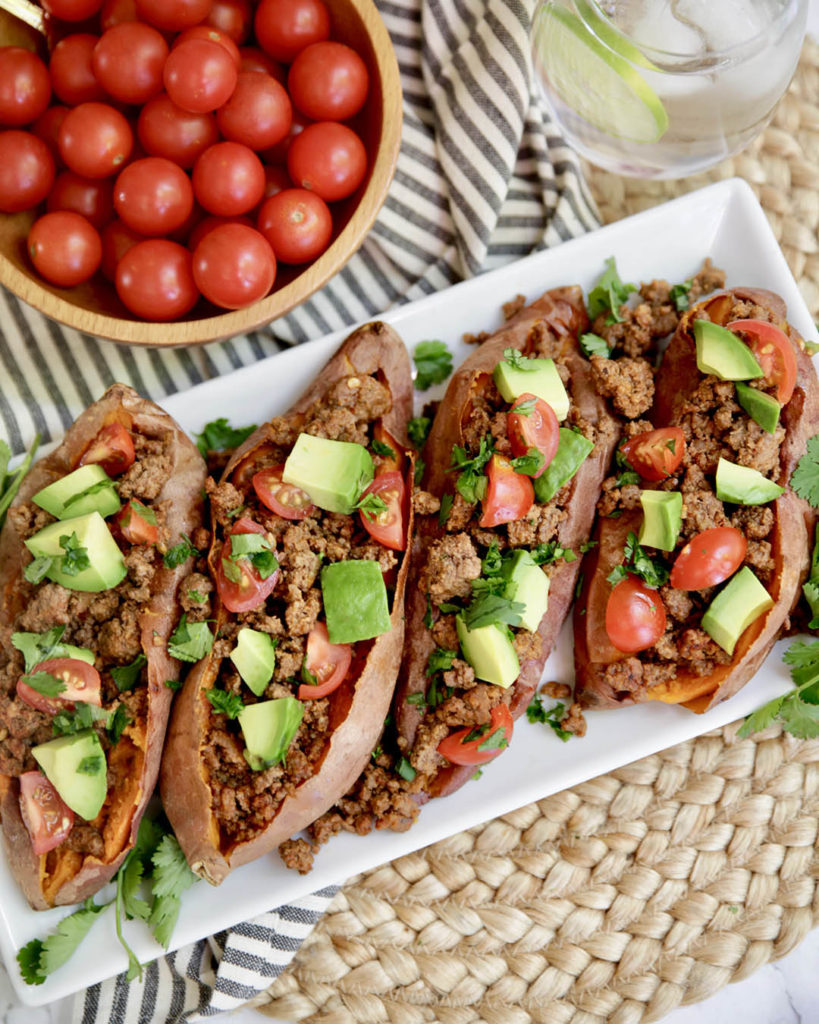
(64, 877)
(791, 539)
(358, 709)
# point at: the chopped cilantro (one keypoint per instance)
(552, 716)
(180, 553)
(117, 723)
(417, 700)
(418, 429)
(492, 560)
(90, 765)
(551, 551)
(440, 660)
(433, 362)
(679, 295)
(218, 435)
(609, 294)
(471, 481)
(420, 466)
(517, 360)
(225, 703)
(75, 559)
(83, 716)
(530, 463)
(593, 345)
(805, 478)
(446, 508)
(494, 741)
(525, 408)
(638, 562)
(195, 596)
(143, 511)
(174, 684)
(127, 676)
(380, 448)
(190, 641)
(428, 613)
(371, 505)
(405, 769)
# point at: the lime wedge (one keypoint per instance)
(608, 33)
(595, 82)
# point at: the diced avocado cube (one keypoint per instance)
(743, 485)
(723, 353)
(75, 766)
(572, 451)
(87, 489)
(662, 519)
(268, 729)
(527, 584)
(255, 658)
(333, 473)
(490, 652)
(763, 409)
(742, 600)
(355, 601)
(107, 567)
(537, 377)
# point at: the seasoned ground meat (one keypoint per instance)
(708, 279)
(224, 501)
(426, 504)
(513, 306)
(460, 514)
(28, 518)
(298, 855)
(445, 634)
(528, 645)
(302, 611)
(150, 471)
(375, 552)
(540, 526)
(677, 603)
(461, 676)
(194, 596)
(451, 566)
(573, 721)
(629, 383)
(558, 691)
(86, 839)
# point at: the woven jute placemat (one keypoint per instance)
(617, 900)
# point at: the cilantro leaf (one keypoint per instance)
(517, 360)
(117, 723)
(418, 429)
(90, 765)
(171, 877)
(225, 703)
(75, 559)
(66, 723)
(218, 435)
(180, 553)
(551, 551)
(371, 505)
(433, 361)
(380, 448)
(471, 482)
(405, 769)
(798, 709)
(190, 641)
(805, 478)
(256, 549)
(10, 485)
(492, 561)
(491, 609)
(445, 509)
(494, 741)
(41, 957)
(593, 345)
(440, 660)
(609, 294)
(127, 676)
(530, 463)
(553, 716)
(679, 295)
(638, 562)
(28, 957)
(37, 647)
(37, 569)
(45, 683)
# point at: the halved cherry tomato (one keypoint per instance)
(709, 558)
(137, 523)
(635, 616)
(251, 590)
(81, 681)
(112, 448)
(509, 495)
(487, 744)
(45, 815)
(285, 500)
(387, 527)
(327, 663)
(535, 427)
(656, 454)
(774, 353)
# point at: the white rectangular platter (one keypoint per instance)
(722, 221)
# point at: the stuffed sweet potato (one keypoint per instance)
(87, 606)
(280, 717)
(699, 561)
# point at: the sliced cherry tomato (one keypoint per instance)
(531, 423)
(486, 742)
(387, 463)
(285, 500)
(774, 353)
(250, 591)
(81, 681)
(635, 616)
(137, 523)
(509, 495)
(709, 558)
(656, 454)
(112, 448)
(45, 815)
(387, 527)
(327, 663)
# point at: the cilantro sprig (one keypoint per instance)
(609, 294)
(219, 436)
(180, 553)
(433, 363)
(594, 345)
(798, 709)
(254, 548)
(225, 703)
(418, 430)
(637, 562)
(805, 478)
(471, 482)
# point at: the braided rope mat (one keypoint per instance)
(617, 900)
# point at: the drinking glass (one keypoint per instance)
(664, 88)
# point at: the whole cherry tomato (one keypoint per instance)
(233, 266)
(258, 112)
(117, 12)
(95, 140)
(213, 35)
(709, 558)
(328, 81)
(254, 59)
(26, 171)
(153, 196)
(25, 87)
(233, 17)
(228, 179)
(90, 197)
(199, 75)
(297, 224)
(532, 423)
(165, 129)
(328, 158)
(154, 280)
(635, 616)
(774, 352)
(459, 748)
(64, 247)
(656, 454)
(128, 61)
(71, 10)
(47, 128)
(72, 73)
(284, 27)
(327, 663)
(117, 238)
(173, 15)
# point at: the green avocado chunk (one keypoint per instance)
(536, 377)
(87, 489)
(572, 451)
(527, 584)
(743, 485)
(333, 473)
(662, 519)
(355, 601)
(742, 600)
(75, 766)
(490, 652)
(255, 658)
(723, 353)
(268, 729)
(107, 566)
(763, 409)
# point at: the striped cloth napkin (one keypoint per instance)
(483, 178)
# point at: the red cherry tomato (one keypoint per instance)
(112, 448)
(250, 591)
(153, 196)
(92, 198)
(117, 238)
(328, 81)
(327, 663)
(165, 129)
(64, 248)
(387, 527)
(128, 61)
(490, 740)
(207, 224)
(155, 281)
(81, 682)
(774, 353)
(635, 616)
(328, 158)
(297, 224)
(47, 128)
(95, 140)
(137, 523)
(233, 17)
(228, 179)
(509, 495)
(25, 87)
(278, 154)
(276, 179)
(71, 10)
(46, 817)
(72, 74)
(709, 558)
(656, 454)
(535, 427)
(234, 266)
(285, 500)
(173, 15)
(213, 35)
(200, 75)
(258, 113)
(26, 171)
(284, 27)
(254, 59)
(117, 12)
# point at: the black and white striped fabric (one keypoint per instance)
(483, 178)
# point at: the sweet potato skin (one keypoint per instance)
(186, 794)
(158, 618)
(792, 537)
(561, 314)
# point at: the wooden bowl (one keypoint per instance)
(95, 308)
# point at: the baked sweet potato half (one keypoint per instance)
(699, 562)
(87, 607)
(261, 744)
